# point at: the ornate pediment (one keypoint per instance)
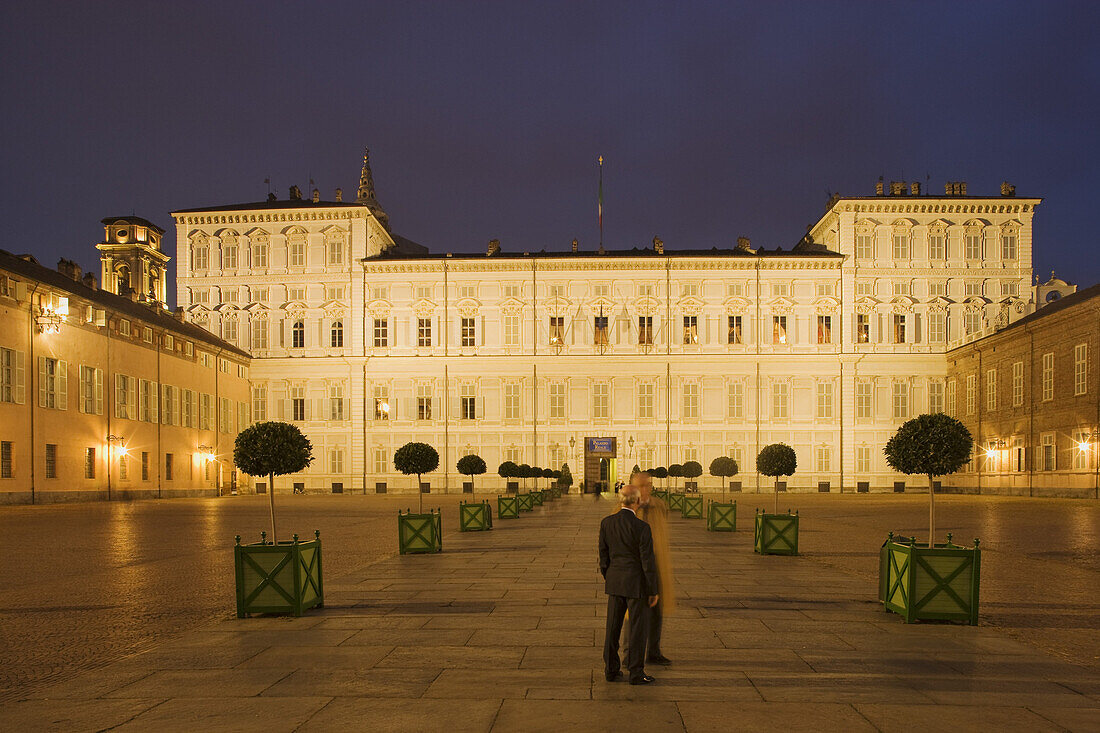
(200, 317)
(689, 305)
(511, 306)
(866, 305)
(468, 307)
(902, 304)
(334, 309)
(226, 307)
(976, 301)
(255, 308)
(424, 308)
(736, 305)
(646, 305)
(558, 306)
(602, 304)
(781, 306)
(826, 305)
(379, 308)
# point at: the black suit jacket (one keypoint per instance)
(626, 556)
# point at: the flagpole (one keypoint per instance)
(599, 206)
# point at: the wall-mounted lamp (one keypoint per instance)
(121, 450)
(207, 452)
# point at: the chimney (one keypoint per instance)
(878, 186)
(494, 247)
(897, 188)
(743, 244)
(339, 194)
(914, 188)
(658, 246)
(90, 281)
(295, 193)
(1007, 189)
(962, 188)
(69, 269)
(178, 313)
(574, 246)
(316, 195)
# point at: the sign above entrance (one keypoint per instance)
(601, 445)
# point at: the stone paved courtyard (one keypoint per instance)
(121, 615)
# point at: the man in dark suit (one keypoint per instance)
(630, 581)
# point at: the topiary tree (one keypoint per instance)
(524, 472)
(676, 470)
(777, 459)
(660, 472)
(566, 477)
(723, 467)
(933, 445)
(548, 473)
(418, 458)
(471, 465)
(272, 449)
(692, 469)
(508, 470)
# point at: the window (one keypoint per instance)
(691, 400)
(863, 459)
(511, 330)
(952, 407)
(899, 328)
(991, 389)
(51, 460)
(423, 331)
(780, 397)
(297, 404)
(733, 330)
(206, 411)
(144, 466)
(91, 390)
(865, 290)
(863, 328)
(381, 460)
(645, 330)
(296, 294)
(382, 405)
(1048, 456)
(188, 349)
(824, 400)
(901, 400)
(467, 333)
(335, 251)
(691, 329)
(823, 289)
(298, 335)
(513, 291)
(557, 330)
(259, 253)
(824, 459)
(243, 416)
(336, 460)
(223, 365)
(53, 381)
(733, 290)
(467, 291)
(901, 244)
(89, 463)
(1017, 384)
(865, 245)
(937, 288)
(259, 333)
(297, 246)
(937, 327)
(380, 292)
(972, 243)
(779, 329)
(824, 329)
(467, 403)
(646, 399)
(1008, 244)
(123, 468)
(935, 396)
(1048, 376)
(903, 288)
(645, 290)
(600, 338)
(198, 295)
(937, 249)
(12, 376)
(864, 400)
(5, 459)
(259, 403)
(601, 407)
(147, 335)
(511, 400)
(334, 292)
(735, 401)
(147, 401)
(781, 290)
(971, 394)
(601, 291)
(188, 408)
(201, 258)
(972, 321)
(689, 290)
(1010, 288)
(229, 256)
(973, 289)
(1080, 369)
(336, 335)
(381, 333)
(557, 399)
(229, 330)
(169, 342)
(424, 402)
(168, 466)
(336, 402)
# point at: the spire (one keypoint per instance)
(366, 192)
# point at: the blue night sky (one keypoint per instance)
(485, 119)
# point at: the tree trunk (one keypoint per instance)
(271, 503)
(931, 512)
(420, 494)
(777, 495)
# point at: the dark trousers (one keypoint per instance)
(617, 606)
(653, 638)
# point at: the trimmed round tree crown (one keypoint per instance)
(675, 470)
(777, 459)
(471, 465)
(416, 458)
(692, 469)
(659, 472)
(723, 466)
(508, 469)
(272, 448)
(933, 445)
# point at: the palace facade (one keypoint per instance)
(367, 340)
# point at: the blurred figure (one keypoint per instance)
(654, 512)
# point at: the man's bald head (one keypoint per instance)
(629, 495)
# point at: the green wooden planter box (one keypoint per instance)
(526, 502)
(282, 578)
(692, 507)
(922, 583)
(721, 517)
(417, 533)
(507, 507)
(661, 494)
(676, 502)
(537, 498)
(776, 534)
(474, 517)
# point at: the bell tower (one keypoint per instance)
(132, 263)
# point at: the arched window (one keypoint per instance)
(337, 335)
(298, 335)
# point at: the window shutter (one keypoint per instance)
(915, 322)
(20, 378)
(481, 331)
(99, 391)
(175, 397)
(41, 381)
(154, 406)
(456, 409)
(62, 385)
(165, 398)
(707, 320)
(479, 408)
(82, 391)
(131, 398)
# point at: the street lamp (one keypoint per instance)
(111, 439)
